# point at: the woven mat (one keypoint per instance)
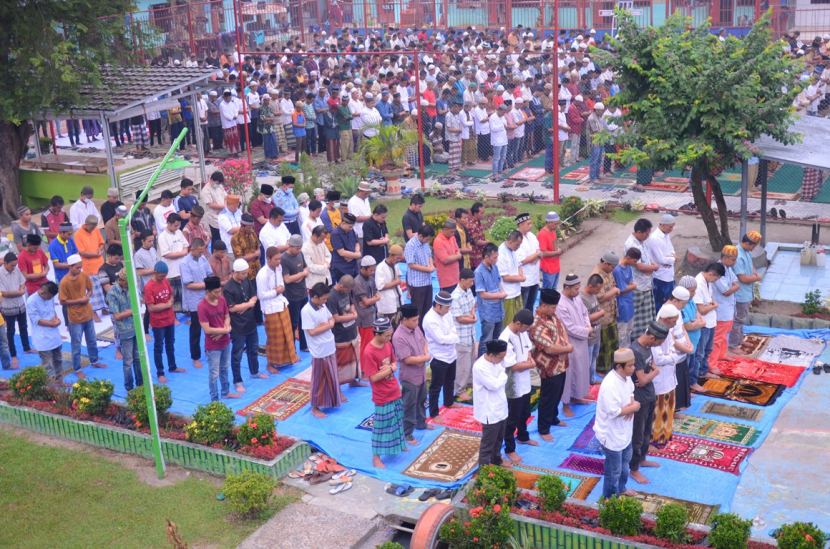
(460, 419)
(579, 486)
(450, 457)
(743, 390)
(107, 335)
(281, 401)
(578, 174)
(776, 196)
(587, 443)
(66, 359)
(733, 433)
(584, 464)
(730, 410)
(792, 351)
(753, 345)
(670, 184)
(706, 453)
(697, 513)
(758, 370)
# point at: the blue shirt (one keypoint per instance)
(385, 110)
(441, 104)
(342, 240)
(623, 276)
(44, 338)
(185, 203)
(286, 201)
(689, 313)
(743, 267)
(118, 301)
(186, 114)
(59, 252)
(320, 103)
(726, 303)
(193, 270)
(488, 279)
(416, 253)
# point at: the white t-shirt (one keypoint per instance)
(518, 347)
(172, 243)
(359, 207)
(703, 296)
(320, 345)
(160, 214)
(508, 264)
(612, 430)
(530, 245)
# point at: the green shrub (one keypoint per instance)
(30, 383)
(570, 206)
(492, 485)
(249, 493)
(436, 221)
(92, 396)
(812, 302)
(554, 491)
(211, 423)
(671, 523)
(257, 431)
(801, 535)
(390, 545)
(502, 228)
(730, 532)
(621, 515)
(137, 404)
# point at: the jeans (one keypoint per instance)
(489, 332)
(414, 412)
(616, 471)
(512, 145)
(643, 419)
(443, 379)
(624, 333)
(76, 331)
(662, 292)
(218, 368)
(53, 362)
(596, 161)
(593, 354)
(294, 310)
(549, 396)
(529, 295)
(499, 156)
(24, 332)
(463, 367)
(421, 297)
(704, 349)
(518, 412)
(164, 339)
(73, 129)
(155, 131)
(574, 158)
(311, 140)
(550, 280)
(175, 129)
(243, 343)
(132, 366)
(216, 136)
(549, 157)
(5, 359)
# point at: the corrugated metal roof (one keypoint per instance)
(810, 153)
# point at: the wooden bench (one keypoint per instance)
(131, 182)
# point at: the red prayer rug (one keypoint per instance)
(578, 174)
(530, 174)
(281, 401)
(758, 370)
(461, 419)
(679, 185)
(585, 464)
(593, 393)
(706, 453)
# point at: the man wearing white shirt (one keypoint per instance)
(275, 233)
(228, 112)
(512, 275)
(388, 281)
(173, 247)
(441, 337)
(83, 208)
(279, 347)
(361, 208)
(662, 253)
(614, 423)
(529, 259)
(482, 129)
(498, 139)
(253, 101)
(369, 118)
(356, 107)
(490, 402)
(163, 210)
(230, 220)
(518, 364)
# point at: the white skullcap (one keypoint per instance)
(599, 106)
(668, 311)
(681, 293)
(240, 265)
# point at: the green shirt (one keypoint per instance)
(547, 124)
(344, 118)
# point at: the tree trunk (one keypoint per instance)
(13, 139)
(716, 237)
(723, 213)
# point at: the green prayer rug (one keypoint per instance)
(730, 410)
(735, 433)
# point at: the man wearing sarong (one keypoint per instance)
(229, 112)
(341, 304)
(644, 374)
(551, 348)
(317, 324)
(412, 355)
(512, 276)
(279, 345)
(643, 273)
(662, 253)
(379, 366)
(684, 347)
(608, 302)
(574, 316)
(664, 358)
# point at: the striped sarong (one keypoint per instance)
(325, 386)
(643, 312)
(279, 345)
(176, 284)
(454, 155)
(231, 139)
(346, 361)
(140, 137)
(607, 346)
(387, 431)
(661, 429)
(279, 130)
(96, 300)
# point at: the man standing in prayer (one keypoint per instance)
(464, 315)
(476, 234)
(441, 337)
(375, 234)
(230, 132)
(447, 256)
(683, 348)
(412, 355)
(551, 349)
(419, 269)
(614, 423)
(194, 270)
(241, 297)
(120, 307)
(361, 208)
(549, 251)
(341, 303)
(13, 304)
(158, 295)
(512, 274)
(83, 208)
(379, 366)
(413, 219)
(644, 373)
(589, 293)
(346, 251)
(644, 269)
(46, 335)
(518, 364)
(284, 198)
(91, 247)
(215, 319)
(608, 302)
(574, 316)
(366, 296)
(664, 357)
(294, 273)
(490, 402)
(246, 246)
(624, 278)
(75, 294)
(453, 129)
(724, 291)
(230, 220)
(270, 287)
(707, 307)
(215, 196)
(662, 253)
(388, 281)
(529, 255)
(490, 296)
(260, 208)
(317, 257)
(325, 385)
(747, 276)
(173, 249)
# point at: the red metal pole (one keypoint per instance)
(555, 106)
(366, 12)
(190, 29)
(420, 117)
(508, 15)
(302, 24)
(237, 18)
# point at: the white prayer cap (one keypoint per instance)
(680, 293)
(668, 311)
(240, 265)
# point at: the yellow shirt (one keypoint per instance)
(2, 320)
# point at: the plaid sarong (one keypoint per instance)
(280, 132)
(231, 139)
(455, 155)
(176, 284)
(387, 434)
(97, 298)
(468, 149)
(140, 135)
(643, 312)
(279, 345)
(607, 345)
(811, 183)
(346, 361)
(325, 387)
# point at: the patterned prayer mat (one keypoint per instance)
(734, 433)
(585, 464)
(449, 458)
(670, 184)
(578, 174)
(730, 410)
(586, 442)
(529, 174)
(776, 196)
(579, 486)
(706, 453)
(460, 419)
(758, 370)
(106, 335)
(753, 345)
(281, 401)
(66, 359)
(697, 513)
(792, 351)
(743, 390)
(367, 424)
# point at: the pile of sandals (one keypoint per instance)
(321, 468)
(819, 366)
(404, 490)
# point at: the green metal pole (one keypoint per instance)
(132, 281)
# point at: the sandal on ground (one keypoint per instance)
(350, 473)
(817, 369)
(319, 477)
(431, 493)
(340, 488)
(400, 490)
(826, 368)
(446, 494)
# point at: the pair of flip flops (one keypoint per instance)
(342, 487)
(343, 477)
(819, 366)
(436, 493)
(400, 490)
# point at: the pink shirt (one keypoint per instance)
(443, 248)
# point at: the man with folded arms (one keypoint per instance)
(215, 319)
(442, 337)
(240, 294)
(317, 324)
(194, 269)
(270, 287)
(341, 303)
(644, 373)
(74, 294)
(518, 364)
(490, 402)
(412, 355)
(120, 307)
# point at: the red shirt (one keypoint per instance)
(214, 315)
(52, 222)
(159, 292)
(429, 95)
(443, 248)
(547, 243)
(33, 263)
(374, 359)
(259, 208)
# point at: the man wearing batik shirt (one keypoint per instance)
(463, 311)
(476, 234)
(195, 228)
(747, 277)
(246, 246)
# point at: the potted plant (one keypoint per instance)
(386, 151)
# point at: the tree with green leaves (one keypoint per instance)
(692, 101)
(51, 50)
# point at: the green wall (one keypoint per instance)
(37, 187)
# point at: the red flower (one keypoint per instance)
(253, 440)
(138, 424)
(497, 508)
(253, 425)
(475, 539)
(808, 537)
(467, 524)
(263, 436)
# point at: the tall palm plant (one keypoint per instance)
(386, 150)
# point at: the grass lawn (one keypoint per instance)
(56, 497)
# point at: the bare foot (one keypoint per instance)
(715, 371)
(261, 375)
(638, 477)
(547, 438)
(738, 351)
(629, 493)
(406, 448)
(178, 371)
(95, 317)
(528, 442)
(15, 360)
(232, 395)
(561, 424)
(79, 373)
(652, 449)
(506, 464)
(198, 364)
(646, 463)
(438, 420)
(240, 388)
(580, 401)
(514, 457)
(376, 462)
(343, 397)
(698, 388)
(727, 358)
(272, 369)
(30, 352)
(318, 413)
(177, 323)
(430, 427)
(456, 405)
(566, 409)
(162, 379)
(147, 338)
(118, 355)
(711, 376)
(412, 442)
(463, 396)
(356, 383)
(679, 416)
(98, 365)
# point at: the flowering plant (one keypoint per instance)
(137, 405)
(257, 430)
(801, 535)
(239, 179)
(30, 383)
(92, 396)
(487, 524)
(211, 423)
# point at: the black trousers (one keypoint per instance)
(529, 295)
(294, 309)
(294, 227)
(642, 433)
(195, 336)
(443, 378)
(24, 332)
(216, 135)
(321, 139)
(214, 236)
(549, 396)
(492, 436)
(155, 131)
(518, 412)
(421, 297)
